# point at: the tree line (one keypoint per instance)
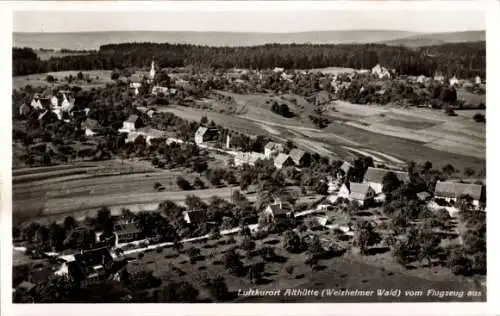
(461, 59)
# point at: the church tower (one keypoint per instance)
(152, 72)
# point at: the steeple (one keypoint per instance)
(152, 72)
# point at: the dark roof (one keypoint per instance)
(26, 286)
(90, 263)
(90, 124)
(376, 175)
(126, 228)
(297, 155)
(45, 102)
(455, 189)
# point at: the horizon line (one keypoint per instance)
(251, 32)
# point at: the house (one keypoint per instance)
(126, 231)
(421, 79)
(278, 210)
(151, 134)
(283, 160)
(359, 192)
(88, 267)
(451, 191)
(271, 149)
(381, 72)
(424, 196)
(438, 76)
(453, 81)
(205, 134)
(278, 69)
(300, 157)
(132, 123)
(135, 86)
(375, 176)
(248, 158)
(40, 103)
(91, 127)
(478, 80)
(151, 113)
(195, 216)
(166, 91)
(24, 110)
(344, 170)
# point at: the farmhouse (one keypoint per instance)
(277, 210)
(132, 123)
(248, 158)
(451, 191)
(88, 267)
(205, 134)
(360, 192)
(271, 149)
(126, 231)
(375, 176)
(283, 160)
(90, 126)
(300, 157)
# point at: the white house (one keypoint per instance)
(478, 80)
(131, 124)
(450, 191)
(381, 72)
(195, 216)
(453, 81)
(375, 176)
(359, 192)
(421, 79)
(135, 86)
(271, 149)
(248, 158)
(278, 69)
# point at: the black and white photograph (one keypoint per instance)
(246, 156)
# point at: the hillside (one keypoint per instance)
(438, 39)
(92, 40)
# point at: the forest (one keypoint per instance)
(465, 60)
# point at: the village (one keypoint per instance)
(362, 203)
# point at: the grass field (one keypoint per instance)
(99, 78)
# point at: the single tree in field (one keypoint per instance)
(292, 242)
(248, 245)
(366, 237)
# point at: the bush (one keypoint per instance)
(183, 184)
(480, 118)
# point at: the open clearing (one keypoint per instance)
(99, 78)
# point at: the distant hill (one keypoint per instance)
(92, 40)
(438, 39)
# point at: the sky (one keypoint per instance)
(249, 21)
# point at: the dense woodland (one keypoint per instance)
(465, 60)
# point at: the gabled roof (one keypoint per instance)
(376, 175)
(281, 159)
(126, 228)
(358, 191)
(196, 216)
(423, 195)
(132, 118)
(201, 131)
(455, 189)
(280, 209)
(296, 155)
(90, 124)
(90, 263)
(274, 146)
(346, 166)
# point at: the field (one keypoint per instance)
(52, 193)
(99, 78)
(389, 133)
